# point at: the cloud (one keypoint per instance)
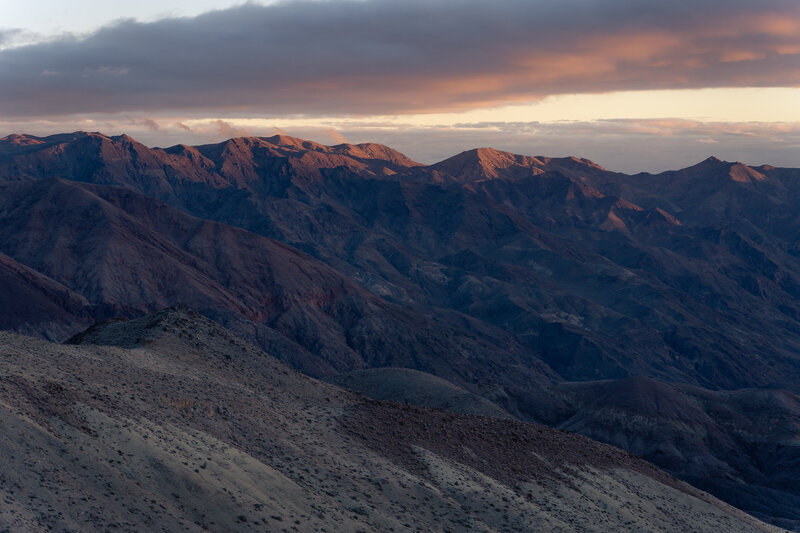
(654, 128)
(228, 130)
(337, 137)
(148, 123)
(383, 56)
(8, 35)
(12, 37)
(627, 145)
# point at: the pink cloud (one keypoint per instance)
(384, 57)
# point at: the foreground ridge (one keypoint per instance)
(187, 426)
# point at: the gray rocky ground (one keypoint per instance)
(170, 423)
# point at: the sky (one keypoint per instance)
(635, 85)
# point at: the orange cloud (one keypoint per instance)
(775, 24)
(741, 55)
(327, 58)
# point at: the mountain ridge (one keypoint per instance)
(191, 428)
(361, 150)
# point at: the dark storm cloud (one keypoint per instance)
(384, 56)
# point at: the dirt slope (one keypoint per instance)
(187, 427)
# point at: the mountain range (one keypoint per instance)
(658, 313)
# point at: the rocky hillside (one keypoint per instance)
(686, 276)
(170, 422)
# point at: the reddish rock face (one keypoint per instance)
(688, 275)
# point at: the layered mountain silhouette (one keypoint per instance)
(509, 276)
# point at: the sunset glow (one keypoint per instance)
(695, 74)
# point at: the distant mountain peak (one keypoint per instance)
(81, 135)
(487, 163)
(375, 151)
(580, 161)
(745, 174)
(125, 138)
(287, 141)
(736, 171)
(20, 140)
(491, 153)
(491, 163)
(16, 139)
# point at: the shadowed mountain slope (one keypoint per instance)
(743, 446)
(126, 254)
(687, 276)
(37, 305)
(187, 427)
